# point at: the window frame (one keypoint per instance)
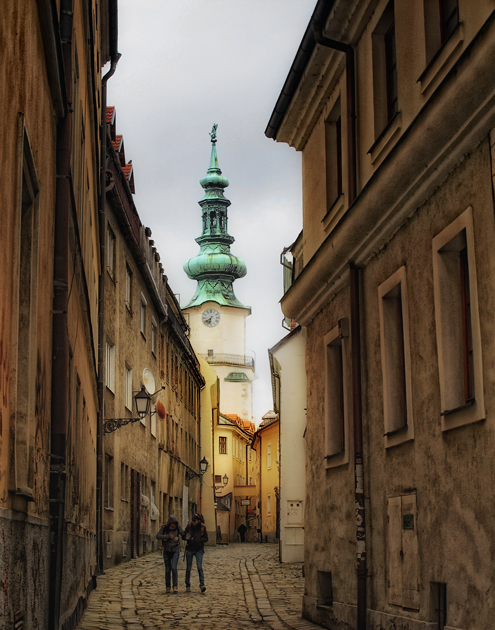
(222, 445)
(269, 456)
(110, 366)
(390, 321)
(336, 359)
(128, 288)
(444, 245)
(142, 315)
(111, 252)
(128, 398)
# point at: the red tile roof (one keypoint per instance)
(117, 143)
(110, 115)
(127, 170)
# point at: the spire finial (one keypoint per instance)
(213, 133)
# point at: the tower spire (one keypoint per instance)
(215, 268)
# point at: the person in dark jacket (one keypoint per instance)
(169, 534)
(195, 536)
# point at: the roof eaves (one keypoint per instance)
(303, 55)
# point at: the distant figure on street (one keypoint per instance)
(195, 536)
(169, 534)
(242, 529)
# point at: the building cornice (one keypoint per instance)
(409, 174)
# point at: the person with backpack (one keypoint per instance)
(195, 536)
(169, 534)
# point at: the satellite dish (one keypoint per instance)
(160, 410)
(149, 381)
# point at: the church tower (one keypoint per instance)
(217, 319)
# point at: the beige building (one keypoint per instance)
(394, 113)
(266, 442)
(151, 466)
(52, 90)
(288, 369)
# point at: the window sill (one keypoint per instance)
(143, 335)
(436, 68)
(334, 214)
(110, 390)
(129, 310)
(109, 509)
(399, 436)
(336, 460)
(381, 146)
(114, 282)
(467, 414)
(125, 500)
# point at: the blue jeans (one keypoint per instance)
(171, 559)
(199, 564)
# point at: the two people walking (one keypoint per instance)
(195, 536)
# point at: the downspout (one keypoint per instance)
(351, 105)
(361, 564)
(60, 335)
(114, 59)
(261, 490)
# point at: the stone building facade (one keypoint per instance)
(150, 466)
(393, 110)
(51, 98)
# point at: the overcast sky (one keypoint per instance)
(185, 65)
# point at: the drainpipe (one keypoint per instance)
(200, 454)
(114, 59)
(361, 565)
(351, 105)
(60, 336)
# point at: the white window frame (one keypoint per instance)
(269, 456)
(128, 288)
(154, 327)
(395, 383)
(454, 415)
(338, 336)
(128, 398)
(142, 315)
(111, 247)
(110, 366)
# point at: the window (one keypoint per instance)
(385, 86)
(457, 323)
(111, 253)
(336, 407)
(333, 154)
(110, 366)
(218, 478)
(325, 589)
(26, 306)
(269, 455)
(403, 564)
(143, 315)
(278, 451)
(449, 18)
(124, 482)
(108, 481)
(128, 387)
(222, 445)
(153, 335)
(268, 504)
(128, 288)
(396, 359)
(153, 419)
(438, 604)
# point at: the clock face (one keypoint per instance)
(211, 317)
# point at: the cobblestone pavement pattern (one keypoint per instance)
(246, 587)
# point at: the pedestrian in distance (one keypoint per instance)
(242, 529)
(195, 536)
(170, 533)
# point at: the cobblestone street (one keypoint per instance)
(246, 587)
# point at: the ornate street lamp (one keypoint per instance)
(143, 401)
(203, 467)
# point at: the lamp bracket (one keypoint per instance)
(109, 426)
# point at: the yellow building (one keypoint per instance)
(267, 444)
(235, 483)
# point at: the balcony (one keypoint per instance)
(229, 359)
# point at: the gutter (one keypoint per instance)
(60, 336)
(114, 59)
(301, 60)
(350, 73)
